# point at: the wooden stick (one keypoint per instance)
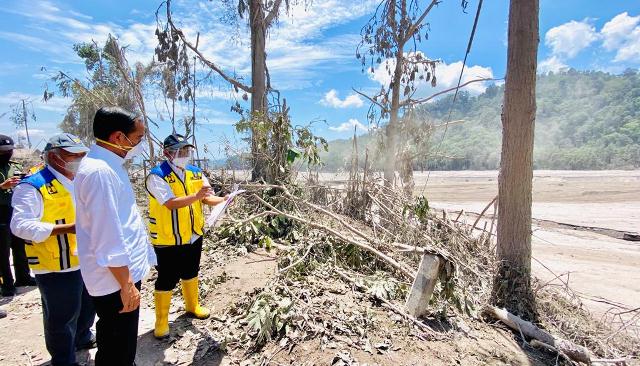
(573, 351)
(483, 211)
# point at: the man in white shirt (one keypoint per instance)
(113, 245)
(44, 216)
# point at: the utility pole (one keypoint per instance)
(26, 127)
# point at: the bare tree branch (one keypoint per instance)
(384, 109)
(207, 62)
(273, 13)
(416, 25)
(424, 100)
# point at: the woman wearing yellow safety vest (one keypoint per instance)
(177, 191)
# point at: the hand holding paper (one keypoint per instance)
(218, 211)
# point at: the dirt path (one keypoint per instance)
(23, 341)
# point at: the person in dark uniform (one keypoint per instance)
(10, 175)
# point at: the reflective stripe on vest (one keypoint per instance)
(56, 252)
(175, 227)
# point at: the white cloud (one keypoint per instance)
(48, 115)
(211, 92)
(8, 68)
(448, 74)
(622, 34)
(616, 31)
(568, 39)
(553, 64)
(58, 29)
(349, 126)
(298, 48)
(446, 77)
(331, 99)
(55, 104)
(33, 133)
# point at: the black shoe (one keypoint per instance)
(28, 282)
(8, 291)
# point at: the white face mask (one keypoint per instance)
(72, 166)
(137, 150)
(132, 151)
(181, 162)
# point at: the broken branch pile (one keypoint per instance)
(325, 252)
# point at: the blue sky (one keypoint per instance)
(311, 53)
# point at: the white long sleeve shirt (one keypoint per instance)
(162, 192)
(109, 228)
(28, 209)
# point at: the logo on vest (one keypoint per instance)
(51, 189)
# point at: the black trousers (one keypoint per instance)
(116, 333)
(11, 244)
(177, 262)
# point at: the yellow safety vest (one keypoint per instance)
(175, 227)
(36, 168)
(57, 252)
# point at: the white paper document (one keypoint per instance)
(218, 210)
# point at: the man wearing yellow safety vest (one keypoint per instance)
(177, 191)
(44, 215)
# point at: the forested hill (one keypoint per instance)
(585, 120)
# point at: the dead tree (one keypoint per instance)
(395, 25)
(261, 16)
(20, 116)
(512, 287)
(134, 79)
(111, 82)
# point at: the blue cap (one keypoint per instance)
(176, 142)
(66, 141)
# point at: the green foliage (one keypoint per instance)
(449, 292)
(104, 86)
(585, 120)
(382, 286)
(269, 316)
(261, 231)
(419, 209)
(281, 144)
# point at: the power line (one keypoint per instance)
(455, 95)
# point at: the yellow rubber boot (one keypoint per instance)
(163, 302)
(191, 304)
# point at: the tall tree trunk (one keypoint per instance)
(392, 128)
(258, 85)
(512, 287)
